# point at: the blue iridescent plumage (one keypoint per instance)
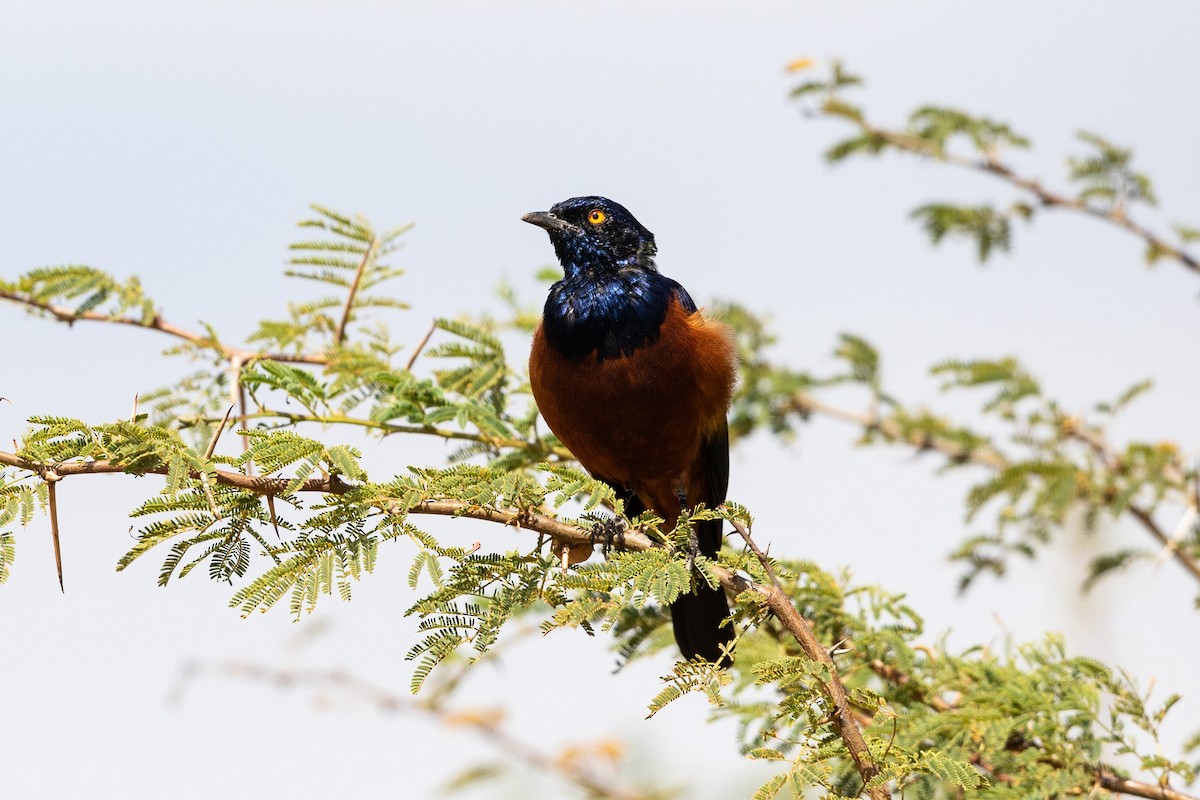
(612, 299)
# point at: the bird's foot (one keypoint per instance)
(693, 549)
(608, 532)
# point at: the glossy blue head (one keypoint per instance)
(594, 234)
(611, 300)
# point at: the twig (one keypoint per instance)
(70, 316)
(842, 714)
(389, 429)
(340, 335)
(421, 346)
(987, 456)
(759, 554)
(485, 724)
(1142, 515)
(1049, 199)
(1115, 783)
(804, 403)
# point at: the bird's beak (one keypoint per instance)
(547, 220)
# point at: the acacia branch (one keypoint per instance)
(842, 717)
(780, 605)
(388, 429)
(1105, 776)
(1114, 215)
(487, 724)
(988, 456)
(71, 316)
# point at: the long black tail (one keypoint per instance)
(697, 617)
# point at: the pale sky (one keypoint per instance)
(181, 142)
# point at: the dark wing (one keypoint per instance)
(685, 299)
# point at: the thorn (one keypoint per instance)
(212, 444)
(271, 509)
(566, 557)
(133, 414)
(52, 479)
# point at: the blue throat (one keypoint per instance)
(611, 300)
(610, 313)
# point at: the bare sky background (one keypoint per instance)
(182, 141)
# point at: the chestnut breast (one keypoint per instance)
(640, 418)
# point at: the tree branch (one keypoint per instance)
(388, 429)
(777, 601)
(484, 723)
(70, 316)
(987, 456)
(1105, 776)
(1114, 215)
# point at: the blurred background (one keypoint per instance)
(181, 142)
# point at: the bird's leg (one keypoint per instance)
(693, 539)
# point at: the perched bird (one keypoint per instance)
(636, 382)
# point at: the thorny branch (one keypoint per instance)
(842, 715)
(384, 428)
(777, 601)
(1105, 776)
(990, 165)
(804, 403)
(70, 316)
(487, 724)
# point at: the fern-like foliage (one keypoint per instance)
(1106, 175)
(989, 228)
(351, 259)
(18, 504)
(1108, 185)
(80, 290)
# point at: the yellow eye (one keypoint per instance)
(596, 216)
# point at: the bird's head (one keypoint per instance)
(594, 234)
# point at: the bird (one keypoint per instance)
(636, 382)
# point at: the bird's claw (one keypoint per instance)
(607, 532)
(693, 549)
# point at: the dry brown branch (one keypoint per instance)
(486, 723)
